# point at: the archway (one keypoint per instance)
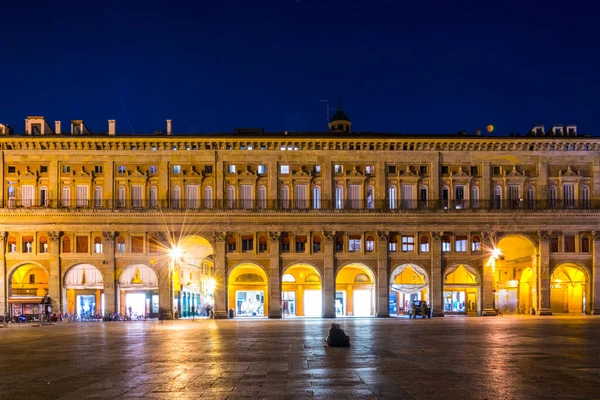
(461, 289)
(27, 291)
(301, 291)
(84, 288)
(355, 291)
(248, 286)
(515, 275)
(569, 285)
(138, 288)
(408, 282)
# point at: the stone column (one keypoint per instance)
(383, 290)
(488, 285)
(55, 277)
(543, 285)
(436, 283)
(221, 311)
(595, 284)
(108, 272)
(328, 286)
(165, 292)
(3, 277)
(274, 276)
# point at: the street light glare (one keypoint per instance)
(496, 253)
(176, 253)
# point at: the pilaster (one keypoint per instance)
(488, 286)
(383, 291)
(595, 289)
(437, 309)
(328, 275)
(3, 277)
(54, 284)
(274, 276)
(220, 308)
(108, 272)
(165, 292)
(543, 286)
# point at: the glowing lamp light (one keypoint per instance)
(176, 253)
(496, 253)
(211, 284)
(490, 128)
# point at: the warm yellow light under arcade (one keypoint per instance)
(248, 277)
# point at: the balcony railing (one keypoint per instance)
(308, 205)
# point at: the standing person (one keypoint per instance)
(130, 312)
(208, 311)
(193, 313)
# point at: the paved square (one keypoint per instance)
(453, 357)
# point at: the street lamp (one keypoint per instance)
(175, 253)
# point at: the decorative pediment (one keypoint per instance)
(568, 172)
(354, 172)
(301, 173)
(408, 172)
(195, 172)
(83, 172)
(515, 172)
(247, 173)
(459, 173)
(137, 172)
(28, 172)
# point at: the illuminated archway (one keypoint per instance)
(302, 294)
(355, 291)
(461, 289)
(248, 288)
(515, 274)
(407, 282)
(28, 286)
(84, 288)
(569, 289)
(138, 288)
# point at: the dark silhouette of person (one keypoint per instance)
(337, 337)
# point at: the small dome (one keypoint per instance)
(340, 115)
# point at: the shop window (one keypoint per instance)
(354, 243)
(154, 246)
(66, 244)
(408, 244)
(460, 244)
(121, 245)
(81, 244)
(262, 244)
(569, 243)
(28, 244)
(43, 244)
(585, 244)
(476, 243)
(98, 245)
(317, 244)
(554, 244)
(424, 244)
(339, 243)
(445, 244)
(12, 244)
(247, 243)
(370, 244)
(285, 243)
(301, 244)
(393, 244)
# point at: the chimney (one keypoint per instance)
(57, 127)
(111, 127)
(168, 127)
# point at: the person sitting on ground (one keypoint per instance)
(337, 337)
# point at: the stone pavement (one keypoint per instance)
(440, 358)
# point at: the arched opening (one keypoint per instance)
(84, 288)
(514, 275)
(355, 291)
(301, 291)
(248, 291)
(569, 287)
(27, 291)
(408, 282)
(461, 290)
(138, 288)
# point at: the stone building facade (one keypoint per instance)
(291, 224)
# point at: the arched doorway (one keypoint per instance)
(355, 291)
(138, 288)
(461, 290)
(28, 291)
(248, 291)
(408, 282)
(514, 275)
(84, 288)
(301, 291)
(568, 289)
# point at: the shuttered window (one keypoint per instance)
(354, 196)
(136, 196)
(191, 196)
(246, 196)
(27, 195)
(300, 196)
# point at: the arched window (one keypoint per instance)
(44, 196)
(445, 244)
(121, 245)
(153, 197)
(530, 197)
(474, 197)
(370, 244)
(43, 248)
(424, 244)
(316, 198)
(370, 197)
(231, 196)
(552, 196)
(445, 197)
(12, 244)
(339, 243)
(98, 196)
(285, 243)
(263, 246)
(476, 243)
(121, 196)
(175, 197)
(585, 244)
(285, 197)
(66, 244)
(497, 197)
(393, 244)
(98, 245)
(208, 197)
(289, 278)
(11, 197)
(317, 244)
(393, 196)
(423, 196)
(66, 196)
(262, 197)
(339, 197)
(585, 197)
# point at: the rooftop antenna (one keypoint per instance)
(325, 103)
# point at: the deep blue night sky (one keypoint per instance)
(212, 66)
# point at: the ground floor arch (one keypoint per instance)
(138, 291)
(84, 290)
(569, 289)
(407, 282)
(248, 289)
(301, 294)
(28, 292)
(355, 291)
(461, 289)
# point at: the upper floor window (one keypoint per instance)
(316, 198)
(98, 169)
(316, 244)
(153, 170)
(12, 244)
(28, 244)
(121, 246)
(176, 197)
(445, 244)
(121, 169)
(301, 244)
(66, 196)
(262, 244)
(370, 244)
(338, 169)
(408, 244)
(12, 169)
(460, 244)
(497, 197)
(231, 197)
(285, 197)
(424, 244)
(231, 169)
(393, 244)
(530, 197)
(176, 169)
(370, 169)
(552, 196)
(231, 244)
(554, 244)
(569, 243)
(285, 243)
(317, 169)
(208, 197)
(121, 196)
(247, 243)
(475, 243)
(153, 197)
(98, 196)
(66, 244)
(585, 196)
(392, 197)
(262, 197)
(98, 245)
(66, 169)
(43, 244)
(339, 197)
(585, 244)
(339, 243)
(284, 169)
(262, 169)
(370, 197)
(569, 195)
(354, 243)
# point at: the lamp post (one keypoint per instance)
(175, 253)
(496, 253)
